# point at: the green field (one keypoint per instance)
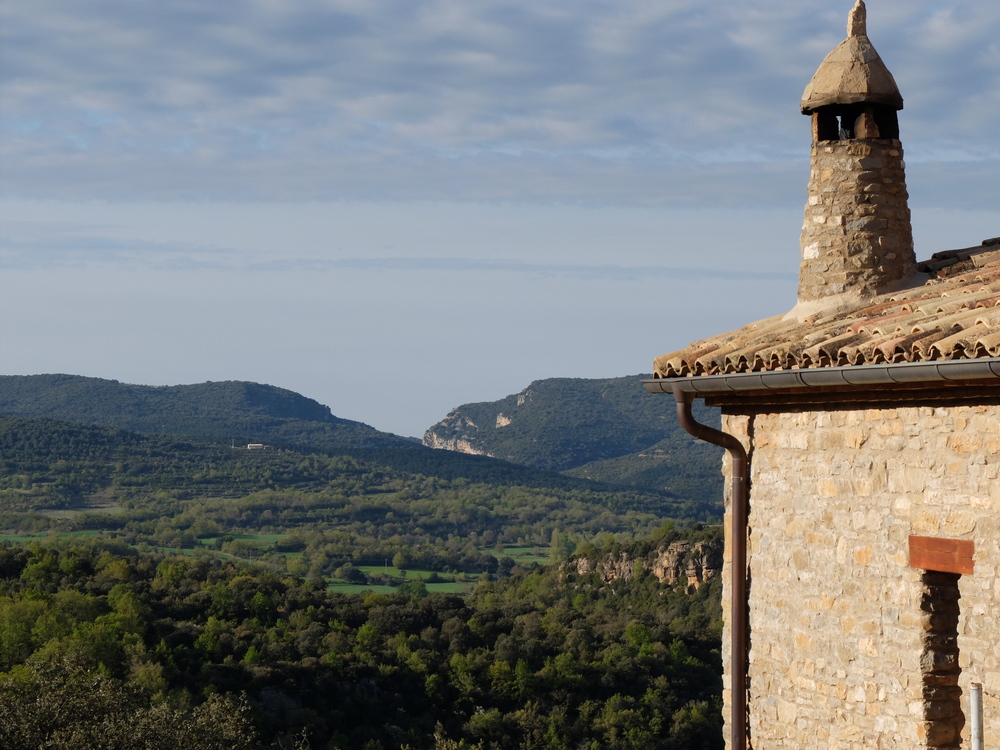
(449, 583)
(24, 538)
(265, 540)
(359, 588)
(525, 556)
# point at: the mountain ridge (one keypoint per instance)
(607, 429)
(231, 410)
(608, 432)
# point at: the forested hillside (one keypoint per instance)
(609, 430)
(228, 412)
(101, 645)
(312, 512)
(109, 635)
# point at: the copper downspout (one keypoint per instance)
(738, 569)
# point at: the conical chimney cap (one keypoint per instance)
(853, 73)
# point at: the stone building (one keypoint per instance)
(863, 458)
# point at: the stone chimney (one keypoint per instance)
(856, 238)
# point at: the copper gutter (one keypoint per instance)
(738, 564)
(938, 371)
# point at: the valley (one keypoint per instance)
(104, 486)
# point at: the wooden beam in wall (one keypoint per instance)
(942, 555)
(838, 397)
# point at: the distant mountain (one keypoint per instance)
(239, 412)
(609, 430)
(230, 411)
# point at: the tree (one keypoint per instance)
(64, 706)
(349, 573)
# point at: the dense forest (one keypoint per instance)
(101, 641)
(320, 512)
(163, 586)
(305, 514)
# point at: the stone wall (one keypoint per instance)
(837, 622)
(856, 236)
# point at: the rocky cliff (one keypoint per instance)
(692, 563)
(608, 430)
(454, 433)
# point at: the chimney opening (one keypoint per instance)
(845, 122)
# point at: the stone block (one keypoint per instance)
(857, 149)
(854, 438)
(926, 523)
(940, 734)
(872, 162)
(864, 555)
(959, 524)
(965, 443)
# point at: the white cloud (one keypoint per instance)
(214, 100)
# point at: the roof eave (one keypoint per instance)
(817, 101)
(908, 373)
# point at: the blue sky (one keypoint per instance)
(396, 207)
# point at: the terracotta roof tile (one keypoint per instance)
(954, 315)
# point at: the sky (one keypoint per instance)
(399, 206)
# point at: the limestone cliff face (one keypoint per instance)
(697, 563)
(456, 432)
(608, 430)
(683, 561)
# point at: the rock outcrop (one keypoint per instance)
(452, 434)
(692, 563)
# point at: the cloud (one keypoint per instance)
(557, 100)
(86, 252)
(30, 246)
(606, 272)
